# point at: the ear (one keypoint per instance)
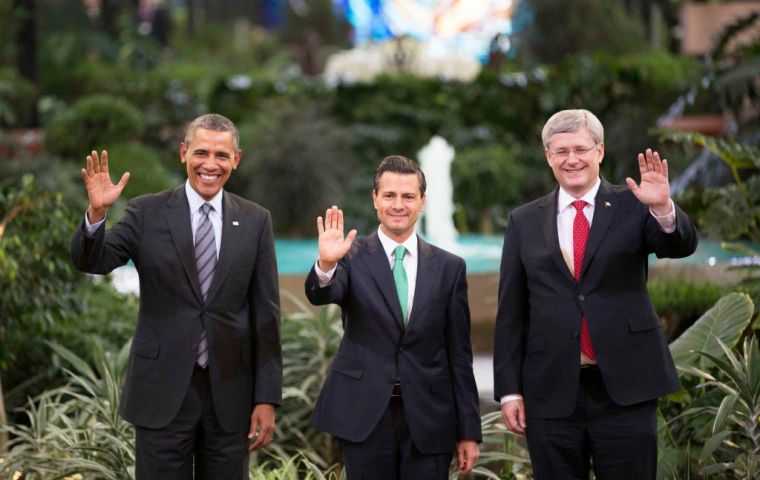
(422, 204)
(236, 160)
(601, 152)
(548, 156)
(374, 199)
(182, 152)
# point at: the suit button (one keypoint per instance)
(581, 298)
(194, 346)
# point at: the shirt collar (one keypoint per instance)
(564, 199)
(196, 201)
(390, 245)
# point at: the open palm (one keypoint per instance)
(101, 192)
(654, 189)
(332, 244)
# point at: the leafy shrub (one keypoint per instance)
(92, 123)
(680, 302)
(147, 167)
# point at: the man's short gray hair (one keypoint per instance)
(571, 121)
(215, 122)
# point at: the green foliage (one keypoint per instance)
(581, 25)
(41, 294)
(93, 123)
(147, 167)
(680, 302)
(300, 163)
(17, 96)
(725, 321)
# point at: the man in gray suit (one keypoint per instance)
(205, 367)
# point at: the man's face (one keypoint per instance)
(575, 159)
(210, 158)
(398, 202)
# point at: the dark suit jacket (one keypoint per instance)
(432, 358)
(241, 313)
(537, 341)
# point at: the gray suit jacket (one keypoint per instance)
(240, 315)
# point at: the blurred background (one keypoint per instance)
(322, 90)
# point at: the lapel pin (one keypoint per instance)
(235, 223)
(607, 204)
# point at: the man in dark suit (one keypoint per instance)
(401, 395)
(205, 367)
(579, 353)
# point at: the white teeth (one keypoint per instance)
(208, 177)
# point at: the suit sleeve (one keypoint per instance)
(107, 250)
(681, 243)
(264, 298)
(459, 351)
(511, 318)
(333, 292)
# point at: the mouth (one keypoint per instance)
(208, 178)
(573, 171)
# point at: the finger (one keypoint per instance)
(95, 162)
(320, 225)
(90, 165)
(334, 217)
(340, 220)
(632, 185)
(328, 219)
(123, 182)
(650, 161)
(642, 163)
(84, 175)
(521, 419)
(461, 458)
(656, 162)
(665, 168)
(104, 162)
(350, 238)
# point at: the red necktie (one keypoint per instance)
(580, 236)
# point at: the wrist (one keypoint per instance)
(326, 266)
(94, 215)
(662, 209)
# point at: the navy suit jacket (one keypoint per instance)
(537, 340)
(432, 357)
(240, 314)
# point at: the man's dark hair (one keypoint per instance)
(402, 165)
(215, 122)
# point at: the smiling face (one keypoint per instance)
(210, 157)
(576, 173)
(398, 202)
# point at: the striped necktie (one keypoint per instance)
(205, 259)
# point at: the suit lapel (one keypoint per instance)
(426, 268)
(379, 268)
(604, 210)
(548, 218)
(178, 219)
(231, 235)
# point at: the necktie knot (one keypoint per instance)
(579, 204)
(206, 209)
(399, 253)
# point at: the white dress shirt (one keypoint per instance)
(195, 201)
(566, 217)
(389, 245)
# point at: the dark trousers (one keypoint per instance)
(619, 441)
(193, 445)
(389, 453)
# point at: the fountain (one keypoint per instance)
(435, 160)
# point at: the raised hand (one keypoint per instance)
(101, 192)
(654, 189)
(332, 245)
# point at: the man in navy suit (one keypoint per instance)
(205, 367)
(580, 358)
(401, 395)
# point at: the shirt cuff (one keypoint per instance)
(89, 228)
(509, 398)
(324, 277)
(667, 222)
